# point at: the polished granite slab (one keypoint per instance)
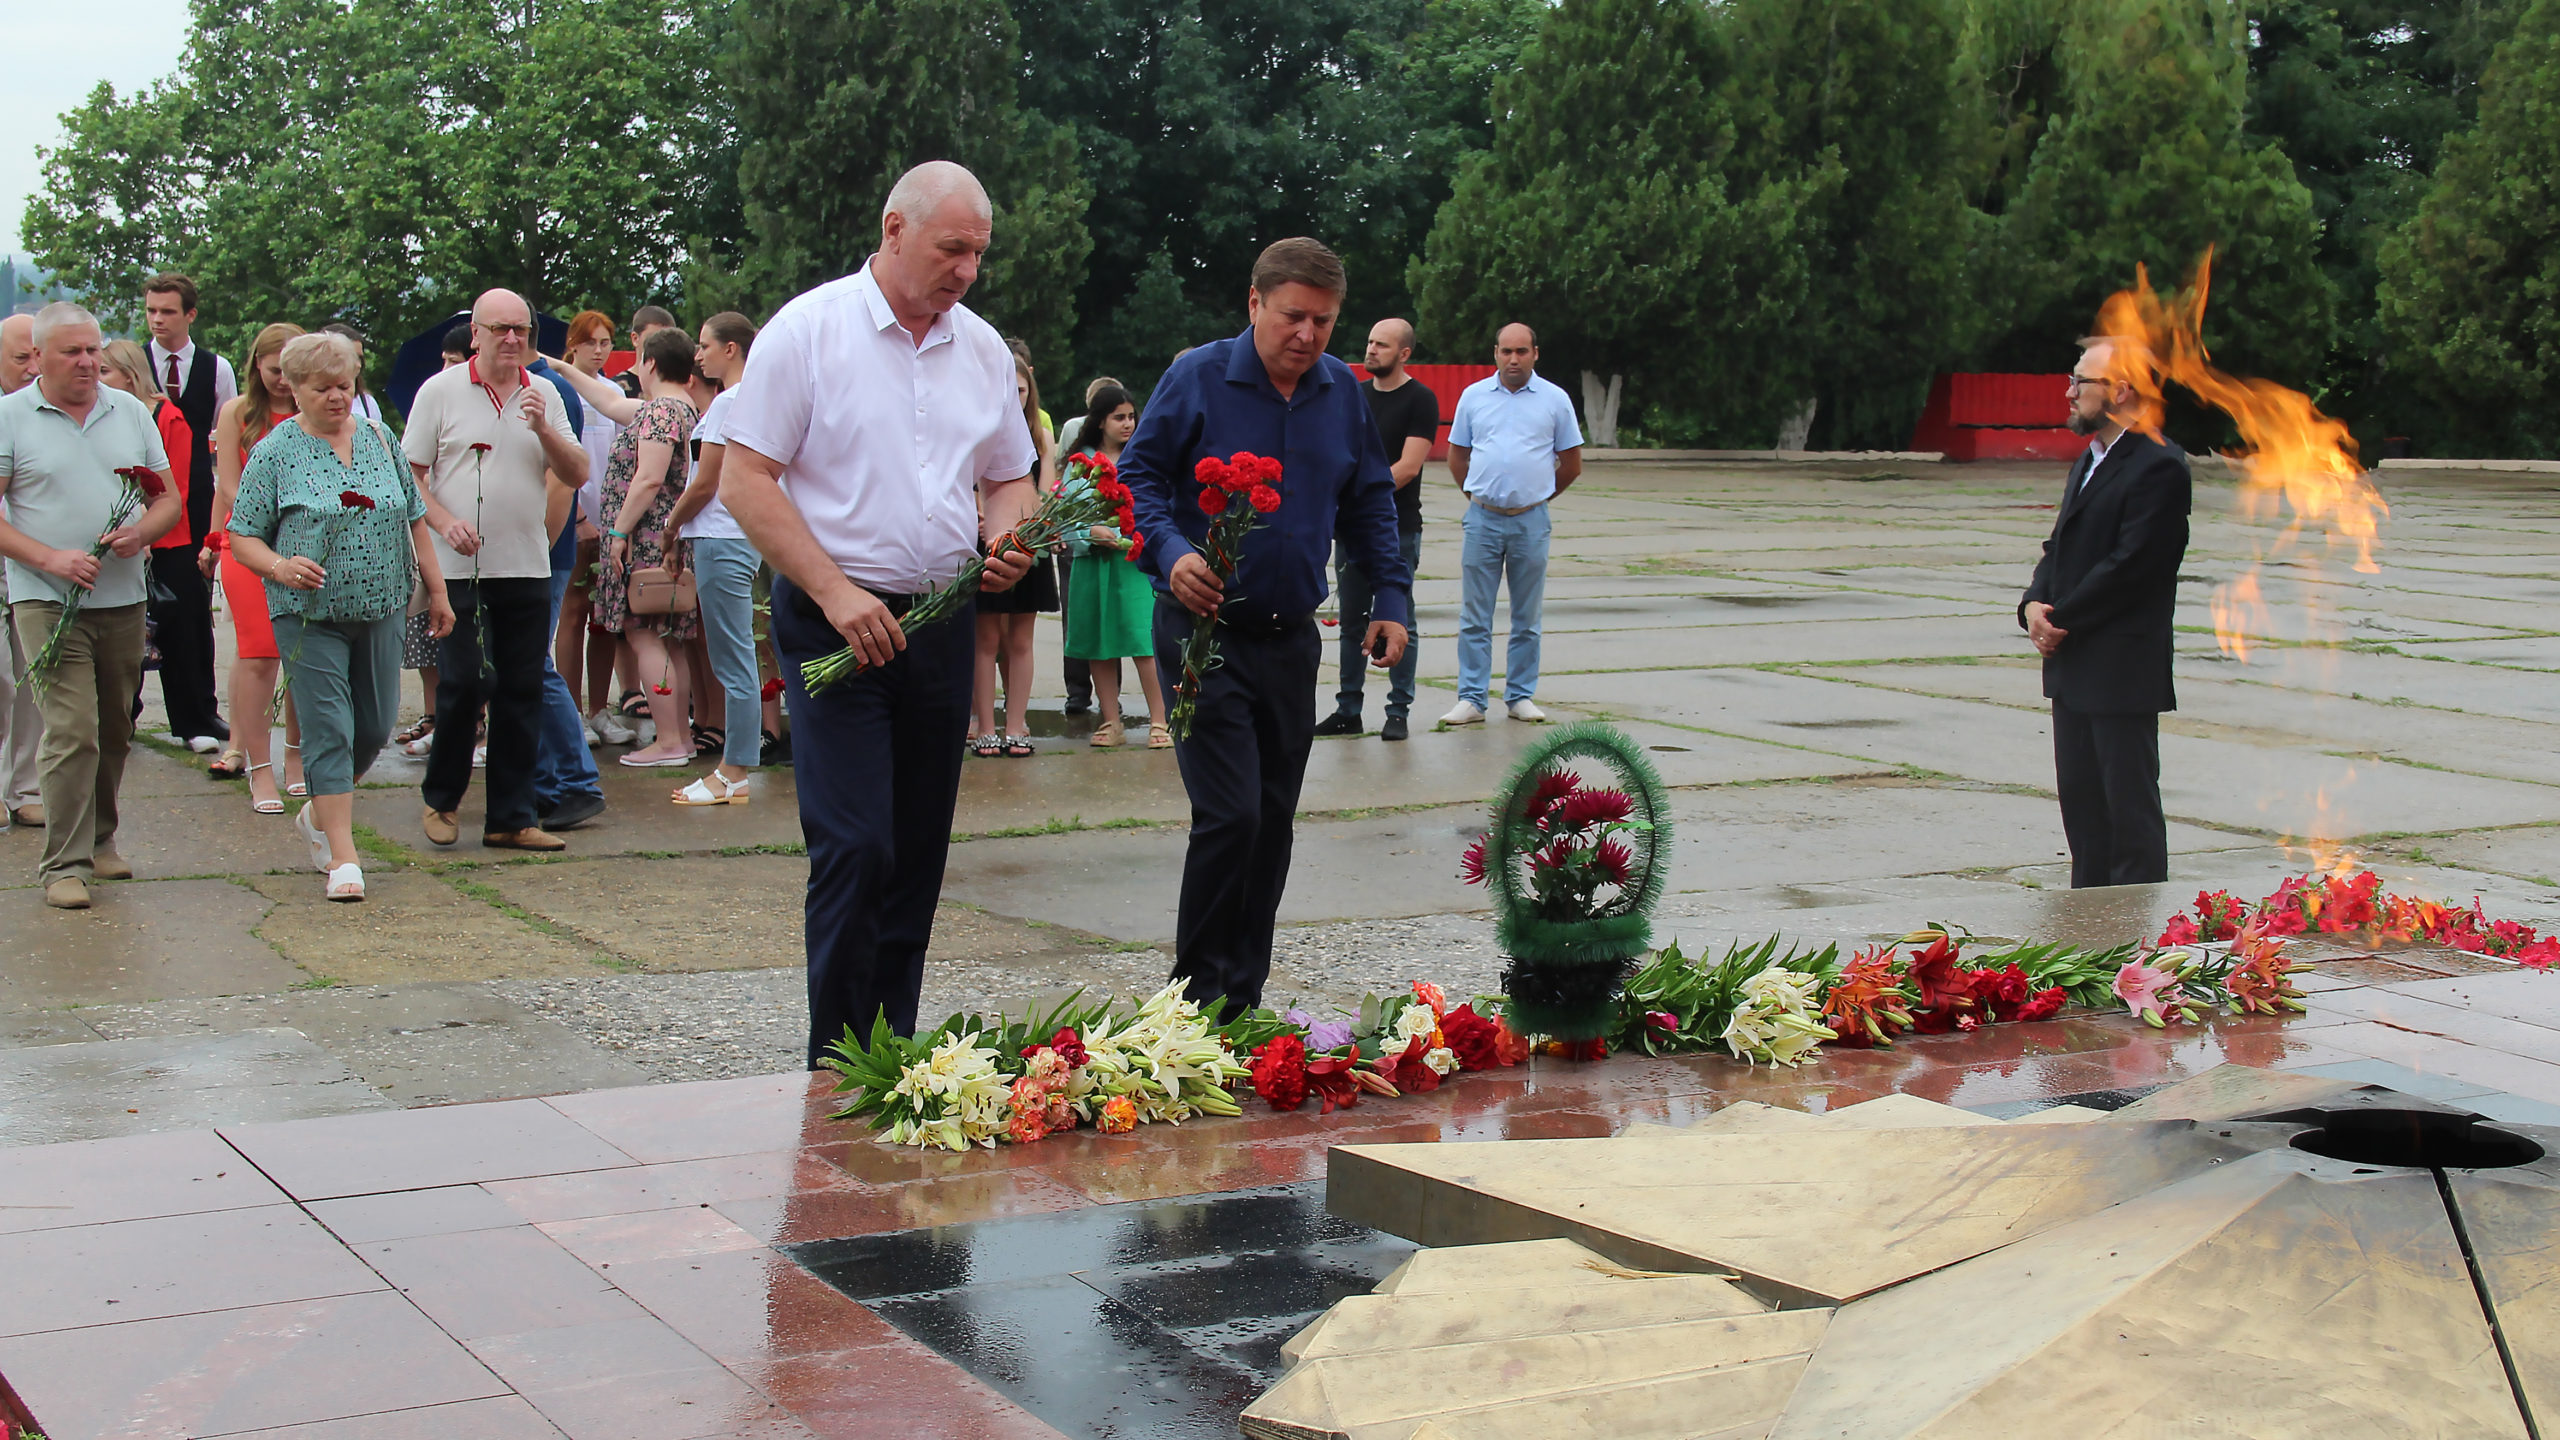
(647, 1261)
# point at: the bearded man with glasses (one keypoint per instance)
(2100, 611)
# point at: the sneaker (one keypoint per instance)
(776, 751)
(572, 811)
(1393, 729)
(1340, 722)
(1465, 712)
(647, 734)
(203, 744)
(610, 729)
(1528, 710)
(479, 757)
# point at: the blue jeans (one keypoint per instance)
(562, 765)
(1501, 547)
(724, 580)
(1353, 584)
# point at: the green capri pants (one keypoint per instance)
(345, 676)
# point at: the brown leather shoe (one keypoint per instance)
(68, 893)
(442, 828)
(111, 867)
(529, 838)
(31, 816)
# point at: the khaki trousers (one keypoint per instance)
(87, 704)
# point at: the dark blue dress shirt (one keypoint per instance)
(564, 549)
(1218, 400)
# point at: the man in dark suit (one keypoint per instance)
(2099, 611)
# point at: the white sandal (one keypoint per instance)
(700, 792)
(299, 788)
(263, 807)
(346, 883)
(309, 829)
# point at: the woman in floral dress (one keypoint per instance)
(643, 478)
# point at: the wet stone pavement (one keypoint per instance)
(244, 1198)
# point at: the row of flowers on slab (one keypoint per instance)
(980, 1080)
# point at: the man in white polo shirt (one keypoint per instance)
(20, 727)
(1513, 447)
(483, 436)
(65, 443)
(876, 415)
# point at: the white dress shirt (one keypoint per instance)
(882, 438)
(226, 386)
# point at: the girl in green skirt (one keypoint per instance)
(1110, 604)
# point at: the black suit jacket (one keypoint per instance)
(2110, 572)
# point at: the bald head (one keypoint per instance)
(922, 192)
(1390, 346)
(17, 352)
(501, 334)
(933, 232)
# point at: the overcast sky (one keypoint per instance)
(59, 50)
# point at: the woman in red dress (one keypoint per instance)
(264, 400)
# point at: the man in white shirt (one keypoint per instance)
(486, 439)
(1513, 447)
(21, 725)
(199, 383)
(876, 415)
(67, 446)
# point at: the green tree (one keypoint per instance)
(1865, 93)
(2470, 291)
(1604, 217)
(2362, 95)
(383, 161)
(1211, 128)
(2147, 162)
(834, 101)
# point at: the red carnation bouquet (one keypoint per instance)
(1103, 477)
(1235, 493)
(141, 486)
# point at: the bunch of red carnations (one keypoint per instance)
(1235, 493)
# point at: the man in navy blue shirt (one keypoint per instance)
(1275, 392)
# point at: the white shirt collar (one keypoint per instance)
(868, 287)
(184, 357)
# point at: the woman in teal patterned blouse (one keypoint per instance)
(331, 519)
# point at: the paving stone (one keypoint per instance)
(53, 1093)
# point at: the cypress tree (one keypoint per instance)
(835, 100)
(2470, 290)
(2148, 164)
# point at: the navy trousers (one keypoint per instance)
(877, 763)
(1243, 763)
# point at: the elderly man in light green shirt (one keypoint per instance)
(63, 442)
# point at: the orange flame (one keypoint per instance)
(2327, 855)
(2239, 611)
(2291, 455)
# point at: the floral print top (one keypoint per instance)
(301, 499)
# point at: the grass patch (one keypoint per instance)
(792, 848)
(317, 982)
(375, 846)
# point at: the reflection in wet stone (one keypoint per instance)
(1157, 1318)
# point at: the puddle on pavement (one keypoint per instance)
(1160, 1318)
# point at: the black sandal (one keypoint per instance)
(1019, 747)
(632, 705)
(987, 746)
(709, 740)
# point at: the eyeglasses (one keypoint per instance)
(520, 332)
(2076, 381)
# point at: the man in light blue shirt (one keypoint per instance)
(1513, 447)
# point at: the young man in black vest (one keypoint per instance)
(2099, 610)
(200, 383)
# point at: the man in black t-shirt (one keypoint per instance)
(1408, 418)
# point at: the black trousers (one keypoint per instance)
(877, 761)
(1242, 763)
(518, 643)
(1079, 672)
(2107, 768)
(185, 622)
